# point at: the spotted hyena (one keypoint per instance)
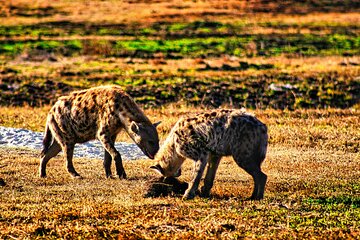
(97, 113)
(208, 136)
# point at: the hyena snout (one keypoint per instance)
(146, 137)
(150, 148)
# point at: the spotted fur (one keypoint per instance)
(208, 136)
(97, 113)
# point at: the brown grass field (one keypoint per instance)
(49, 48)
(312, 192)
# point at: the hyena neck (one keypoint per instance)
(133, 114)
(170, 160)
(167, 151)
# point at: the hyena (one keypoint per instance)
(96, 113)
(206, 138)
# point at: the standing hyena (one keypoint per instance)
(207, 137)
(100, 112)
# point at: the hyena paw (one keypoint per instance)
(74, 174)
(256, 197)
(204, 193)
(122, 175)
(42, 174)
(188, 195)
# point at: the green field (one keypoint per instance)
(295, 64)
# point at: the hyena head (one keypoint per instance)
(146, 137)
(168, 165)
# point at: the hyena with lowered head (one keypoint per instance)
(96, 113)
(208, 136)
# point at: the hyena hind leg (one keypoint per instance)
(53, 150)
(253, 168)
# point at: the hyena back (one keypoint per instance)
(97, 113)
(206, 138)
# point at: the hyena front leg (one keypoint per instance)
(69, 151)
(107, 164)
(213, 164)
(120, 171)
(199, 170)
(53, 150)
(107, 161)
(109, 147)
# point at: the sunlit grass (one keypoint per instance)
(181, 11)
(331, 129)
(310, 193)
(178, 58)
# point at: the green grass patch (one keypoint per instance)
(70, 47)
(268, 45)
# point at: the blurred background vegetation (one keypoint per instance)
(254, 54)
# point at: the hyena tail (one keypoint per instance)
(48, 139)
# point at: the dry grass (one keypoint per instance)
(313, 161)
(331, 129)
(298, 66)
(178, 11)
(313, 189)
(24, 117)
(309, 194)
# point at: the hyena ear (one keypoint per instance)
(158, 169)
(134, 127)
(157, 124)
